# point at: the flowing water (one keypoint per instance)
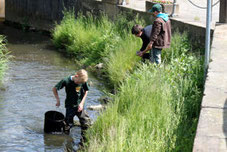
(26, 94)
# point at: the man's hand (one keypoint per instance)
(80, 107)
(140, 53)
(137, 53)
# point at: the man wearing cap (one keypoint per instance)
(160, 34)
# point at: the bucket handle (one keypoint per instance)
(56, 109)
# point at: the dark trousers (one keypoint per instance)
(146, 56)
(83, 117)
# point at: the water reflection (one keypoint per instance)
(56, 141)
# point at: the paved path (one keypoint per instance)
(211, 133)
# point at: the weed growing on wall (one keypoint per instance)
(4, 57)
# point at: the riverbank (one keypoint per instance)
(156, 108)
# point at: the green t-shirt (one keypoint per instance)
(74, 92)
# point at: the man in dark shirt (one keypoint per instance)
(144, 34)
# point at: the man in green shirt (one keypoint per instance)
(76, 89)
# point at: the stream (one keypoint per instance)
(26, 94)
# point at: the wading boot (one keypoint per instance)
(66, 128)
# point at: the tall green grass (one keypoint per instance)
(123, 60)
(89, 38)
(156, 108)
(4, 57)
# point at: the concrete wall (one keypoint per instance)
(42, 14)
(223, 11)
(196, 32)
(2, 9)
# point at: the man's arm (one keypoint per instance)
(81, 105)
(155, 31)
(143, 46)
(55, 92)
(149, 47)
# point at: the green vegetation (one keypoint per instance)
(156, 108)
(92, 40)
(4, 57)
(89, 38)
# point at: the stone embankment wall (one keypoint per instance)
(42, 14)
(197, 32)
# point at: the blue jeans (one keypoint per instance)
(155, 55)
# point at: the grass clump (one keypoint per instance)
(4, 57)
(88, 38)
(122, 61)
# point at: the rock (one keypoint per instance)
(104, 100)
(76, 123)
(99, 66)
(90, 83)
(96, 107)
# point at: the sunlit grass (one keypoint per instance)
(89, 39)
